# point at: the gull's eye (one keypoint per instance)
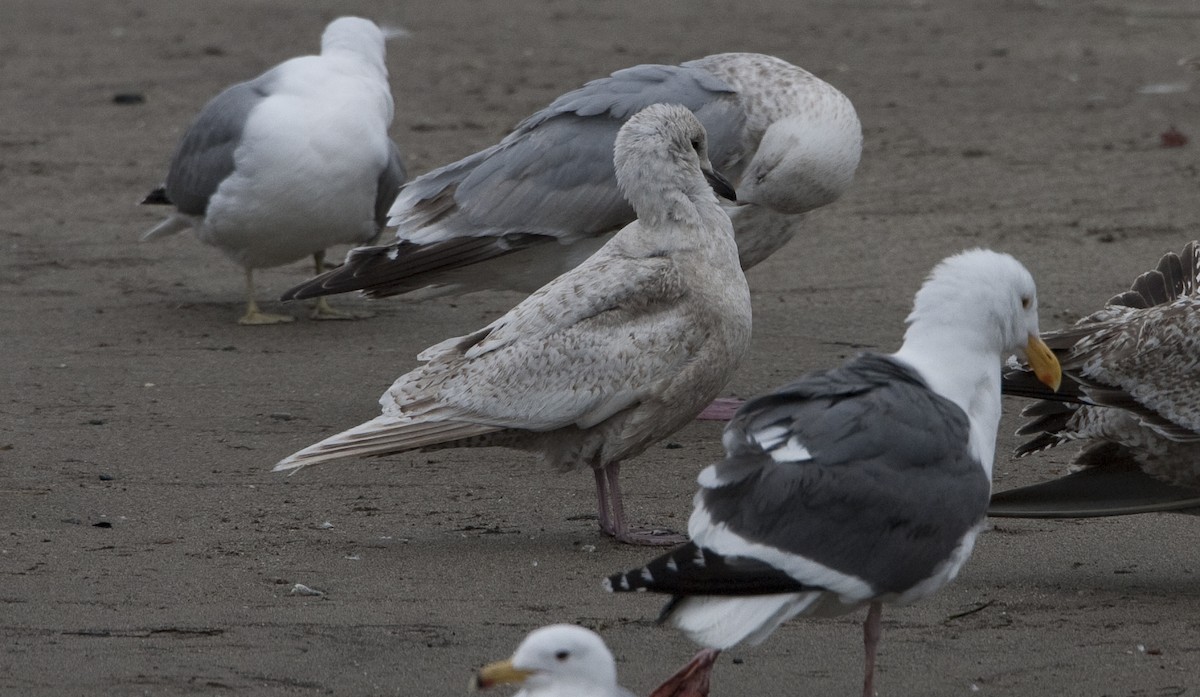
(562, 655)
(1026, 302)
(696, 144)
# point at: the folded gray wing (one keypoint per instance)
(391, 179)
(553, 175)
(204, 157)
(862, 469)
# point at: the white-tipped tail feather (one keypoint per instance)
(381, 436)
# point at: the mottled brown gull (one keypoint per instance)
(604, 360)
(859, 485)
(1131, 400)
(290, 163)
(789, 141)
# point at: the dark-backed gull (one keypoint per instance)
(859, 485)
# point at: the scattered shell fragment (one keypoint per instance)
(301, 589)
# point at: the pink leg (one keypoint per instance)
(602, 505)
(611, 496)
(611, 474)
(870, 643)
(692, 679)
(721, 409)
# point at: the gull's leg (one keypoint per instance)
(721, 409)
(870, 643)
(691, 680)
(253, 314)
(322, 310)
(605, 517)
(620, 529)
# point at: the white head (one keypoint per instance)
(974, 310)
(561, 655)
(660, 152)
(982, 294)
(804, 161)
(358, 36)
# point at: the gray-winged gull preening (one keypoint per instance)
(1131, 399)
(292, 162)
(859, 485)
(789, 141)
(604, 360)
(565, 660)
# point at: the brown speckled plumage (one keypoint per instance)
(604, 360)
(1134, 368)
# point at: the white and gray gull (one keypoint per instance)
(565, 660)
(1131, 400)
(606, 359)
(789, 142)
(290, 163)
(859, 485)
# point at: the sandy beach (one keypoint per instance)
(146, 548)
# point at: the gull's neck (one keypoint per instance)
(956, 367)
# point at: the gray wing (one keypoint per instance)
(888, 489)
(551, 178)
(553, 175)
(391, 179)
(204, 157)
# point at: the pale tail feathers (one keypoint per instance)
(381, 436)
(719, 622)
(171, 226)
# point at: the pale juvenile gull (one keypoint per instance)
(789, 141)
(604, 360)
(564, 660)
(859, 485)
(1132, 400)
(292, 162)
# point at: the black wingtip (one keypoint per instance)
(694, 570)
(157, 197)
(312, 288)
(353, 274)
(658, 574)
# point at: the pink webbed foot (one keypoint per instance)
(721, 409)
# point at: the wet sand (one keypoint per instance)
(145, 548)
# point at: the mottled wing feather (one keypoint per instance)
(1141, 353)
(1155, 359)
(562, 356)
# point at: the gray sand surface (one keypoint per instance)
(145, 548)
